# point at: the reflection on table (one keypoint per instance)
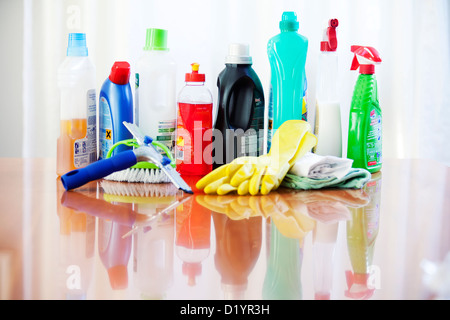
(148, 225)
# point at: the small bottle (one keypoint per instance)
(155, 90)
(328, 113)
(194, 126)
(365, 126)
(115, 107)
(287, 56)
(77, 142)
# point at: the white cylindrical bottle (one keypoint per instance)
(328, 113)
(77, 143)
(155, 92)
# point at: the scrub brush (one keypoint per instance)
(124, 160)
(143, 171)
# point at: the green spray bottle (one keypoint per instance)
(365, 121)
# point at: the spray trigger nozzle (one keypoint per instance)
(329, 42)
(365, 59)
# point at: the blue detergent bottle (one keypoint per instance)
(115, 106)
(287, 56)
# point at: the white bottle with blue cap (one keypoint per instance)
(77, 142)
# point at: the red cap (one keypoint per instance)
(191, 270)
(330, 44)
(194, 76)
(118, 277)
(120, 72)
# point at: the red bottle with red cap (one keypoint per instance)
(115, 106)
(365, 121)
(194, 126)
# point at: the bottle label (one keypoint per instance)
(317, 125)
(85, 149)
(270, 122)
(194, 138)
(106, 129)
(252, 141)
(305, 102)
(373, 142)
(166, 134)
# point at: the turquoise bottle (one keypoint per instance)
(287, 56)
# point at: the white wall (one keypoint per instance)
(11, 31)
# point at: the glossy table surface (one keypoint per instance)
(111, 240)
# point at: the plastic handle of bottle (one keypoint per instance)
(97, 170)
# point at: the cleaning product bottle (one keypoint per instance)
(194, 126)
(287, 56)
(153, 256)
(284, 267)
(77, 142)
(115, 106)
(115, 250)
(193, 235)
(365, 125)
(362, 231)
(155, 90)
(240, 117)
(328, 113)
(76, 248)
(238, 246)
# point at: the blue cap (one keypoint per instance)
(289, 21)
(77, 45)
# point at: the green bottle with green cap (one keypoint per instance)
(155, 89)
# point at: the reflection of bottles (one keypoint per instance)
(327, 207)
(193, 232)
(282, 280)
(238, 246)
(153, 258)
(324, 242)
(114, 251)
(362, 231)
(77, 241)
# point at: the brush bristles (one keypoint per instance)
(139, 175)
(138, 189)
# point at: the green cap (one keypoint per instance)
(289, 21)
(156, 39)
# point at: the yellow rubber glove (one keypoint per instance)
(289, 214)
(251, 175)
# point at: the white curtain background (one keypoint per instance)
(412, 37)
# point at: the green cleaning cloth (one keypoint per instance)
(354, 179)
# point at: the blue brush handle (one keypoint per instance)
(97, 170)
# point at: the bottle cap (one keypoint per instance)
(192, 270)
(329, 42)
(289, 21)
(118, 277)
(194, 76)
(156, 39)
(238, 53)
(120, 72)
(77, 45)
